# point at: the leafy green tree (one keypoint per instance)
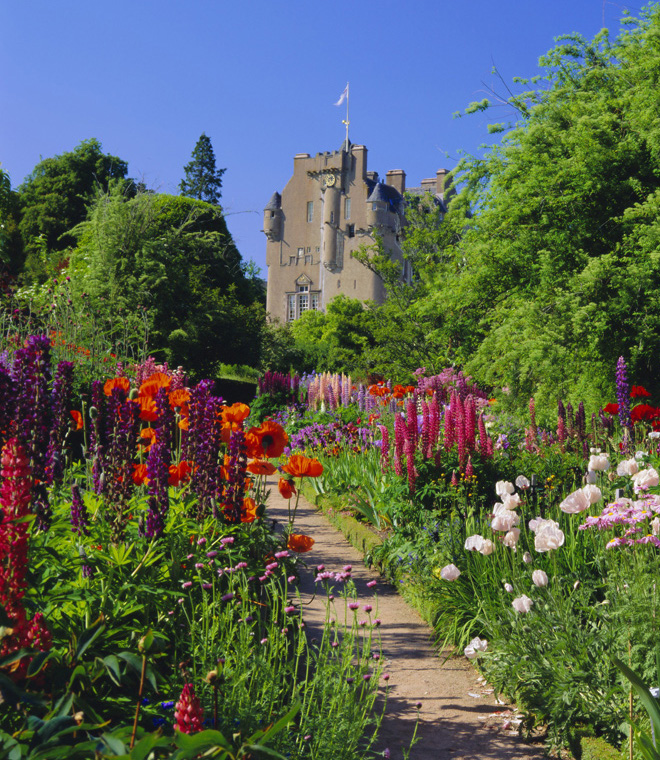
(10, 240)
(202, 181)
(556, 273)
(170, 261)
(54, 199)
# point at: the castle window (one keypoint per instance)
(308, 259)
(347, 208)
(310, 211)
(303, 288)
(350, 230)
(315, 301)
(303, 303)
(291, 311)
(301, 251)
(293, 260)
(272, 214)
(332, 217)
(317, 249)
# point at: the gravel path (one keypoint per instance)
(459, 717)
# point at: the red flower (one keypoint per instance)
(188, 713)
(611, 409)
(299, 466)
(638, 391)
(286, 488)
(77, 416)
(116, 382)
(644, 412)
(299, 543)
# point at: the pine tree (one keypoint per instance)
(202, 181)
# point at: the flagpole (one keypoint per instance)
(347, 122)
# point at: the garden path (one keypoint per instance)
(460, 718)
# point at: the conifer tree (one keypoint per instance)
(202, 181)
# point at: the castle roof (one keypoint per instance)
(386, 194)
(275, 202)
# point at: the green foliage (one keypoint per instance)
(10, 239)
(556, 272)
(168, 260)
(202, 181)
(54, 199)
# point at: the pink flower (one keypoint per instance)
(539, 578)
(188, 713)
(522, 604)
(449, 573)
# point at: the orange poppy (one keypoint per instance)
(249, 511)
(180, 397)
(183, 424)
(299, 466)
(116, 382)
(148, 408)
(267, 440)
(286, 487)
(261, 467)
(178, 473)
(235, 414)
(149, 436)
(153, 384)
(299, 543)
(140, 474)
(77, 416)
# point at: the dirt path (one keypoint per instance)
(459, 718)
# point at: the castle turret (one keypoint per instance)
(273, 217)
(331, 197)
(384, 208)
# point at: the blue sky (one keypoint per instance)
(146, 78)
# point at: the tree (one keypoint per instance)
(55, 196)
(10, 239)
(557, 272)
(202, 181)
(168, 260)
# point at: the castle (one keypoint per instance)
(329, 207)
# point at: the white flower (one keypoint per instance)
(522, 482)
(474, 543)
(593, 493)
(511, 500)
(575, 502)
(488, 547)
(540, 578)
(627, 467)
(502, 487)
(591, 477)
(594, 451)
(548, 536)
(474, 647)
(533, 523)
(511, 538)
(508, 588)
(654, 435)
(527, 558)
(522, 603)
(599, 462)
(645, 479)
(504, 519)
(449, 573)
(640, 455)
(655, 526)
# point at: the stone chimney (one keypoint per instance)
(397, 179)
(429, 185)
(360, 154)
(441, 180)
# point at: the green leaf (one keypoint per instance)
(37, 663)
(261, 750)
(112, 666)
(201, 740)
(88, 636)
(648, 701)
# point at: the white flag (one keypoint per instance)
(342, 97)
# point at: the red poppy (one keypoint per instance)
(249, 511)
(286, 488)
(299, 466)
(261, 467)
(178, 473)
(148, 408)
(153, 384)
(116, 382)
(611, 409)
(644, 412)
(149, 436)
(638, 391)
(180, 397)
(299, 543)
(268, 440)
(140, 474)
(77, 416)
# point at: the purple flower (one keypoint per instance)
(353, 606)
(289, 609)
(368, 608)
(371, 584)
(623, 393)
(227, 597)
(79, 518)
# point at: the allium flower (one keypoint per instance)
(522, 604)
(539, 578)
(449, 573)
(188, 713)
